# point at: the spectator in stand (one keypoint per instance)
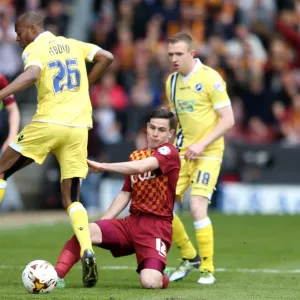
(169, 11)
(258, 100)
(236, 133)
(287, 23)
(279, 112)
(108, 93)
(247, 41)
(291, 123)
(277, 68)
(258, 11)
(56, 18)
(141, 103)
(124, 49)
(258, 132)
(9, 52)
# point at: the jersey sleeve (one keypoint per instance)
(217, 91)
(88, 50)
(168, 93)
(167, 157)
(127, 184)
(32, 57)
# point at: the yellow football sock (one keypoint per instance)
(182, 240)
(3, 185)
(205, 240)
(79, 220)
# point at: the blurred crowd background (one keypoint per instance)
(255, 45)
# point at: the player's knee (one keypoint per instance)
(151, 283)
(151, 279)
(199, 206)
(96, 234)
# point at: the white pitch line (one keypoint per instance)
(237, 270)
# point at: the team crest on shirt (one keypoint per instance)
(25, 57)
(198, 87)
(219, 86)
(164, 150)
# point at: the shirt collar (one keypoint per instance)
(42, 34)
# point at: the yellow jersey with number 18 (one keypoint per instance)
(62, 85)
(195, 98)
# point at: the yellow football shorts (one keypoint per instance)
(68, 144)
(201, 174)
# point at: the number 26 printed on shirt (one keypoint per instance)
(67, 77)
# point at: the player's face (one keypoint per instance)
(181, 57)
(24, 34)
(158, 132)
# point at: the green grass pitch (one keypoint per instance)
(257, 257)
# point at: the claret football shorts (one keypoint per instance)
(145, 235)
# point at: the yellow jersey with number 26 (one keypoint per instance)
(62, 85)
(195, 98)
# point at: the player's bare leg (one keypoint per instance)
(10, 162)
(204, 236)
(79, 218)
(151, 279)
(152, 274)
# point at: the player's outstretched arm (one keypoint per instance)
(23, 81)
(126, 168)
(118, 205)
(14, 123)
(102, 61)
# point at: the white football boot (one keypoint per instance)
(185, 267)
(206, 277)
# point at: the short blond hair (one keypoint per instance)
(182, 37)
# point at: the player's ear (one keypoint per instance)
(172, 131)
(32, 28)
(193, 52)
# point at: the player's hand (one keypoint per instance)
(95, 167)
(193, 151)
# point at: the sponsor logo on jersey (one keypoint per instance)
(185, 106)
(142, 177)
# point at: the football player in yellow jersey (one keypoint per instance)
(63, 117)
(197, 94)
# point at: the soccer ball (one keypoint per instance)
(39, 277)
